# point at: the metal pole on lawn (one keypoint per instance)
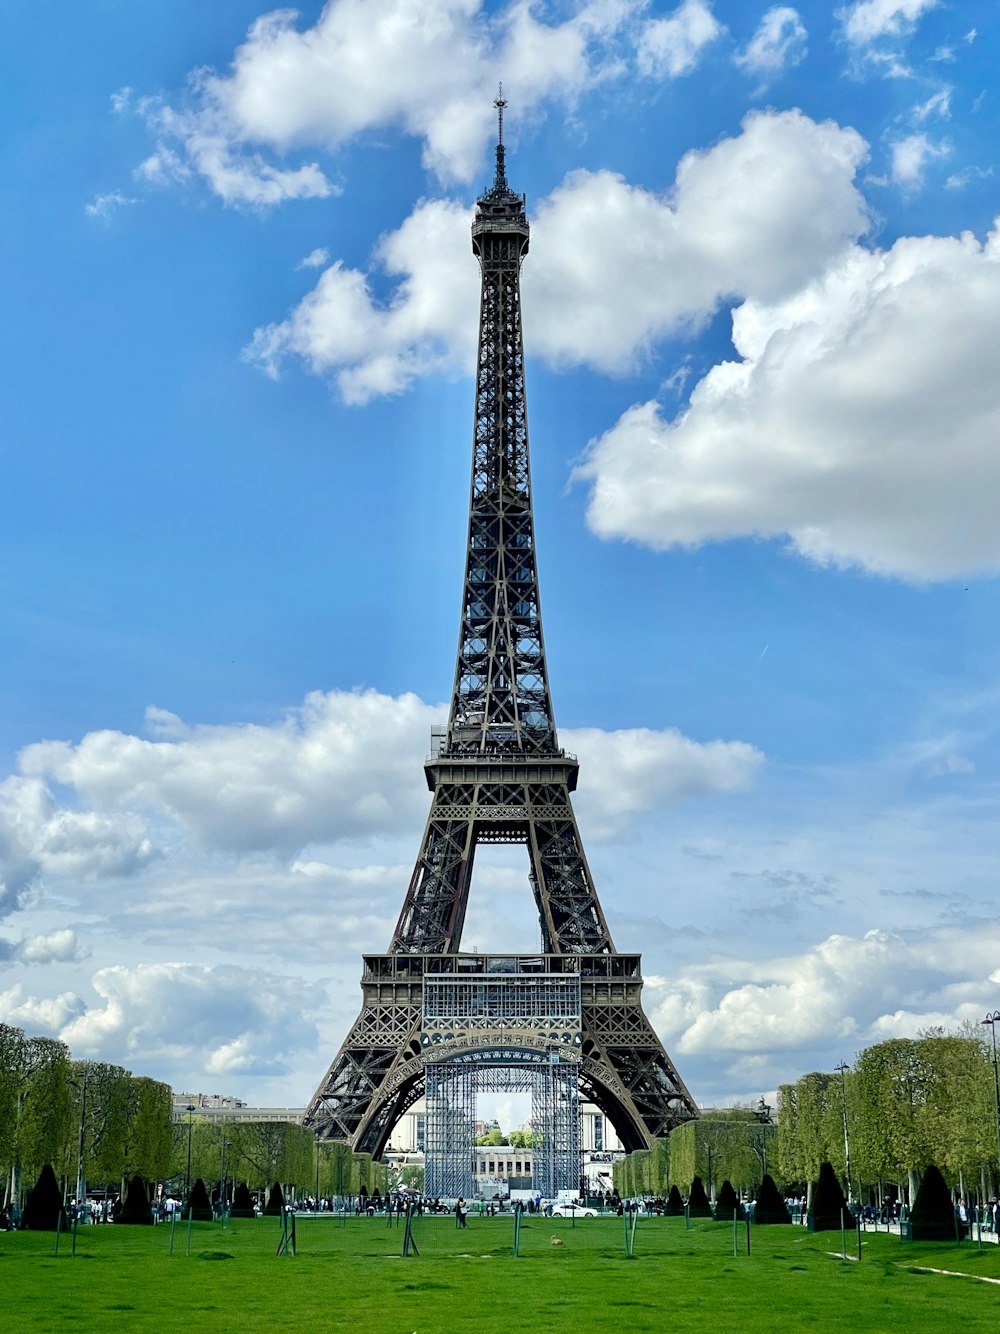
(187, 1178)
(992, 1019)
(222, 1184)
(80, 1182)
(843, 1067)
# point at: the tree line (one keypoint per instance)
(906, 1103)
(88, 1119)
(98, 1125)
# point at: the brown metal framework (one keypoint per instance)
(499, 776)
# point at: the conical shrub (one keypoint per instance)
(242, 1203)
(275, 1202)
(674, 1206)
(933, 1216)
(829, 1207)
(770, 1207)
(43, 1209)
(698, 1205)
(135, 1208)
(198, 1206)
(727, 1206)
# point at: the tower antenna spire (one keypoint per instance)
(500, 179)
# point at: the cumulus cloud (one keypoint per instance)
(38, 836)
(614, 267)
(374, 348)
(428, 68)
(828, 430)
(339, 767)
(779, 43)
(53, 947)
(629, 772)
(218, 1021)
(39, 1014)
(315, 259)
(869, 20)
(846, 988)
(910, 157)
(671, 46)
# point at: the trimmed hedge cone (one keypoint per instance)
(242, 1203)
(43, 1209)
(727, 1206)
(198, 1206)
(933, 1216)
(828, 1211)
(136, 1208)
(698, 1205)
(674, 1206)
(770, 1207)
(275, 1202)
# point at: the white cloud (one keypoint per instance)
(316, 259)
(614, 267)
(636, 770)
(377, 348)
(426, 67)
(39, 1015)
(844, 989)
(938, 104)
(829, 429)
(671, 46)
(104, 206)
(868, 20)
(37, 836)
(339, 767)
(910, 156)
(218, 1021)
(779, 43)
(53, 947)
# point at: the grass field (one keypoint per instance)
(352, 1276)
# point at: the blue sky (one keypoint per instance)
(761, 320)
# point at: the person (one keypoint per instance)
(460, 1212)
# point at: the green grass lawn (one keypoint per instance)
(352, 1276)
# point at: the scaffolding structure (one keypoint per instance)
(504, 1031)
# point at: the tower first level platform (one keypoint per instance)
(417, 1009)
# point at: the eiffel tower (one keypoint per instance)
(498, 775)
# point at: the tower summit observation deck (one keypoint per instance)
(498, 775)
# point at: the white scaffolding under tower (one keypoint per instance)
(508, 1028)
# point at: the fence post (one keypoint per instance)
(408, 1242)
(187, 1250)
(858, 1221)
(735, 1234)
(517, 1229)
(843, 1237)
(748, 1234)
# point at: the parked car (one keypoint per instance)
(570, 1209)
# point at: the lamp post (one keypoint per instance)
(80, 1176)
(222, 1184)
(763, 1114)
(187, 1178)
(991, 1019)
(843, 1067)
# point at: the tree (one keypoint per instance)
(35, 1106)
(148, 1141)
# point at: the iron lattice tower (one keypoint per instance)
(498, 775)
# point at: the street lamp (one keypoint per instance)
(843, 1067)
(222, 1184)
(991, 1019)
(190, 1109)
